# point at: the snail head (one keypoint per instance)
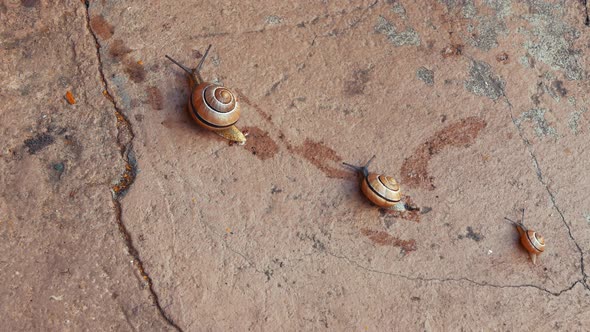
(364, 170)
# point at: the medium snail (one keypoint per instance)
(213, 106)
(533, 242)
(382, 190)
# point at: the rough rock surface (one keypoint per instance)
(119, 213)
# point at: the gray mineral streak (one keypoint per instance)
(552, 39)
(537, 117)
(398, 38)
(483, 82)
(426, 75)
(574, 120)
(487, 32)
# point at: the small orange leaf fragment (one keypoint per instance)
(70, 97)
(140, 63)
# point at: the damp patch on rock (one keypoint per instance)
(101, 27)
(135, 71)
(550, 86)
(483, 82)
(357, 85)
(425, 75)
(155, 98)
(29, 3)
(382, 238)
(118, 49)
(324, 158)
(537, 117)
(38, 143)
(260, 143)
(558, 87)
(471, 234)
(398, 38)
(414, 170)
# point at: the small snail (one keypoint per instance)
(213, 106)
(382, 190)
(533, 242)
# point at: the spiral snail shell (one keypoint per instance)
(383, 191)
(213, 106)
(533, 242)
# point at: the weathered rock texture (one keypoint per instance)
(119, 213)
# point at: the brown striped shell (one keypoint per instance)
(534, 243)
(383, 191)
(213, 106)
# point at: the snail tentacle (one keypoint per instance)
(370, 160)
(189, 71)
(193, 74)
(203, 58)
(356, 168)
(516, 223)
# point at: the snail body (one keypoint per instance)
(533, 242)
(383, 191)
(213, 106)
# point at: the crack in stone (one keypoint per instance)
(539, 173)
(210, 228)
(587, 17)
(300, 24)
(499, 88)
(125, 137)
(353, 24)
(461, 279)
(582, 281)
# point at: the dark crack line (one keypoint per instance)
(539, 173)
(351, 26)
(499, 89)
(587, 17)
(127, 178)
(299, 24)
(210, 228)
(458, 280)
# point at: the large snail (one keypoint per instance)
(382, 190)
(533, 242)
(213, 106)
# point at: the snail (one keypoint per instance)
(533, 242)
(213, 106)
(382, 190)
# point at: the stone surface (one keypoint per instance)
(117, 212)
